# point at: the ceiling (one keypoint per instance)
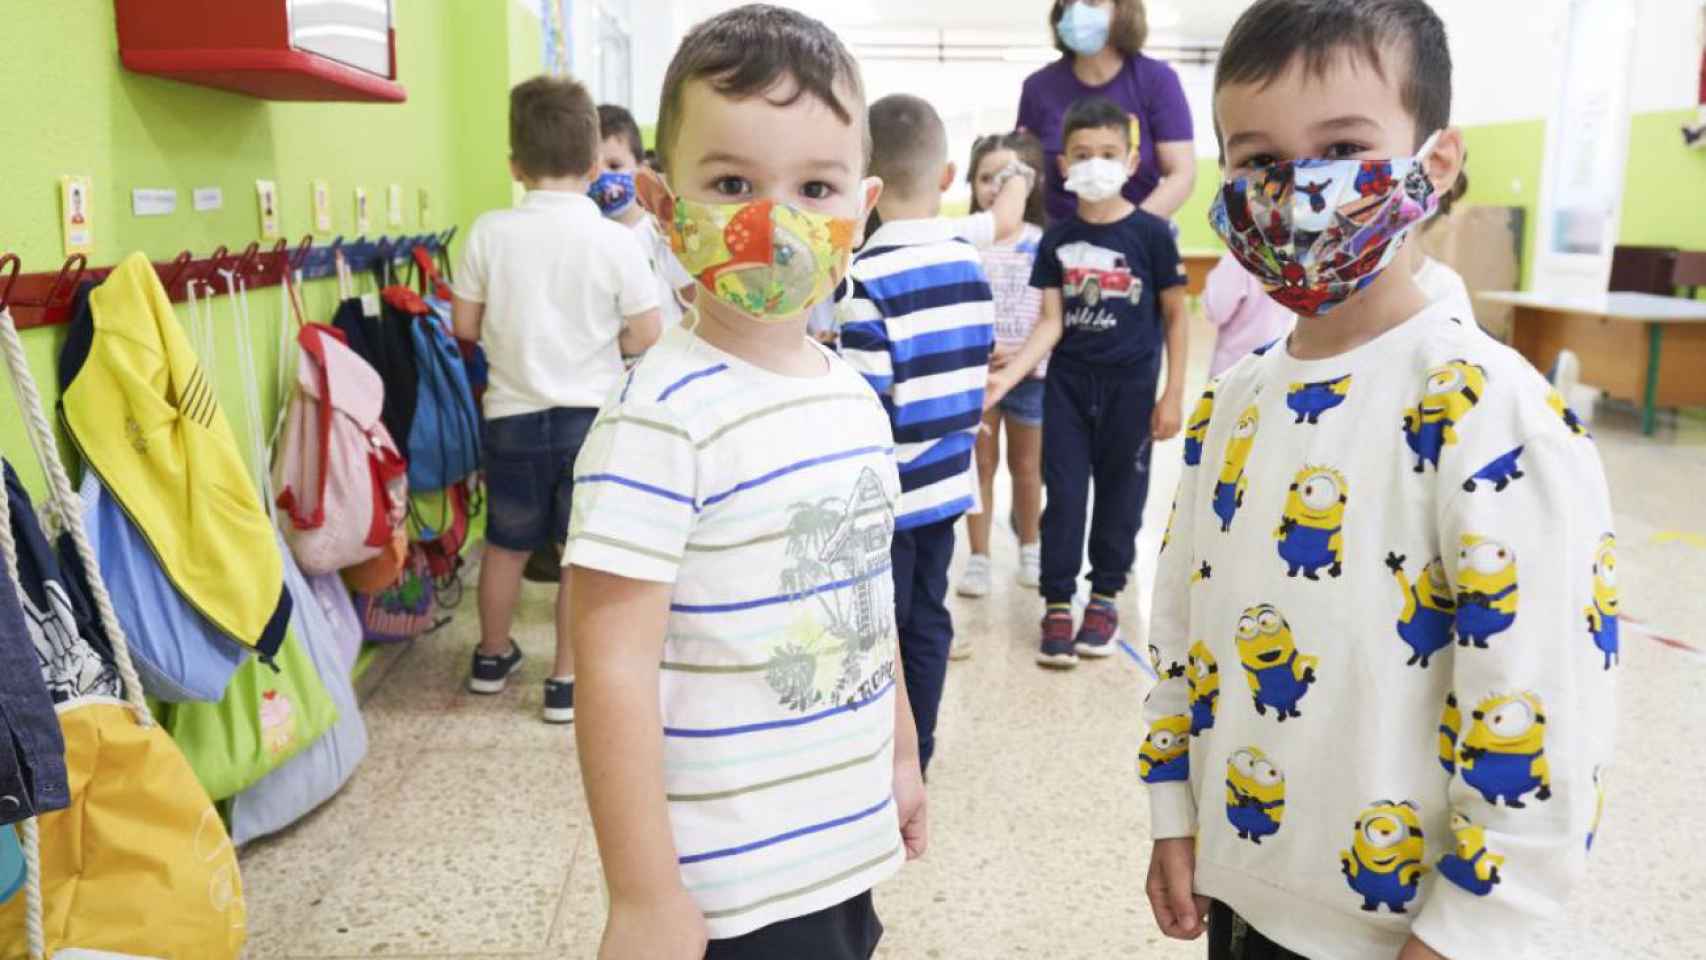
(1178, 19)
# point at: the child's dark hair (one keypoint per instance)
(615, 121)
(1128, 29)
(909, 145)
(747, 51)
(1273, 34)
(1028, 149)
(553, 128)
(1096, 113)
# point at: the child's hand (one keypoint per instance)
(1000, 357)
(1169, 414)
(911, 805)
(1172, 873)
(670, 929)
(1000, 383)
(1415, 949)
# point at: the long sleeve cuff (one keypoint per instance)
(1462, 926)
(1172, 811)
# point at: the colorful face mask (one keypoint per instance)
(1083, 28)
(771, 260)
(613, 191)
(1315, 232)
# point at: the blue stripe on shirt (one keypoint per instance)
(936, 514)
(952, 445)
(939, 408)
(790, 835)
(637, 485)
(741, 605)
(690, 733)
(969, 337)
(928, 276)
(695, 375)
(791, 468)
(953, 464)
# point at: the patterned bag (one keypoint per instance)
(405, 609)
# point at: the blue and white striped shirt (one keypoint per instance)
(918, 321)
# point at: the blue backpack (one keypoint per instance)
(444, 437)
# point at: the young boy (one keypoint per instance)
(1113, 300)
(619, 162)
(919, 323)
(749, 755)
(557, 295)
(1329, 771)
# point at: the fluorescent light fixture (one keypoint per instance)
(1163, 16)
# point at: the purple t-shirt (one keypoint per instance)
(1148, 89)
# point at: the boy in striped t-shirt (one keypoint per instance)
(919, 323)
(745, 737)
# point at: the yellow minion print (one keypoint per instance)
(1165, 755)
(1504, 753)
(1470, 864)
(1555, 400)
(1430, 609)
(1453, 389)
(1172, 516)
(1174, 670)
(1203, 674)
(1602, 613)
(1486, 589)
(1384, 864)
(1450, 725)
(1598, 805)
(1279, 675)
(1255, 795)
(1229, 491)
(1196, 430)
(1310, 400)
(1311, 531)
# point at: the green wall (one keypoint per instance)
(77, 111)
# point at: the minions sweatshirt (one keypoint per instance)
(1386, 631)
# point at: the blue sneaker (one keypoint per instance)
(559, 701)
(1101, 629)
(490, 675)
(1056, 651)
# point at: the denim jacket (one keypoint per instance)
(32, 755)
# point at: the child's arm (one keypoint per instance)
(909, 796)
(465, 318)
(1169, 409)
(618, 625)
(1542, 678)
(1044, 336)
(1009, 205)
(640, 331)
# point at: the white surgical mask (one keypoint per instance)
(1096, 179)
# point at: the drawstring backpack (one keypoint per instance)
(387, 347)
(139, 864)
(342, 481)
(269, 714)
(444, 436)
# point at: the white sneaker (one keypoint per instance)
(975, 581)
(961, 650)
(1030, 564)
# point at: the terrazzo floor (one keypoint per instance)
(465, 833)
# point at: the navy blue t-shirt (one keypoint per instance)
(1110, 277)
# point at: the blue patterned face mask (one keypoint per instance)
(1083, 28)
(613, 191)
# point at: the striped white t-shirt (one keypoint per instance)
(768, 502)
(919, 322)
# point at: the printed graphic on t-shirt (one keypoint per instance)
(1094, 281)
(832, 544)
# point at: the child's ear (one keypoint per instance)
(1065, 168)
(1132, 156)
(515, 171)
(872, 188)
(654, 195)
(1445, 163)
(949, 172)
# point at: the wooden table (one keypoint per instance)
(1197, 265)
(1665, 367)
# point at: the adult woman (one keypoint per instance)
(1101, 43)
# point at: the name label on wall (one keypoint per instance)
(209, 198)
(153, 202)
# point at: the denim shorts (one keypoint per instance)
(530, 462)
(1024, 403)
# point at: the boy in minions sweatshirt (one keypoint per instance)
(1385, 625)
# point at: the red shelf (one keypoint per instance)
(269, 74)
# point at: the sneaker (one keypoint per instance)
(961, 650)
(491, 674)
(1101, 629)
(1030, 565)
(559, 701)
(974, 582)
(1056, 648)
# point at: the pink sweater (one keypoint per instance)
(1243, 314)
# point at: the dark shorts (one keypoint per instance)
(1231, 938)
(530, 461)
(1024, 403)
(847, 931)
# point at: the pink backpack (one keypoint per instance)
(340, 477)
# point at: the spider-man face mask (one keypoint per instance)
(1315, 232)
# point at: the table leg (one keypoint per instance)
(1649, 407)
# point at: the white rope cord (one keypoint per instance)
(260, 460)
(65, 503)
(30, 839)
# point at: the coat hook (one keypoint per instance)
(180, 264)
(6, 294)
(78, 260)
